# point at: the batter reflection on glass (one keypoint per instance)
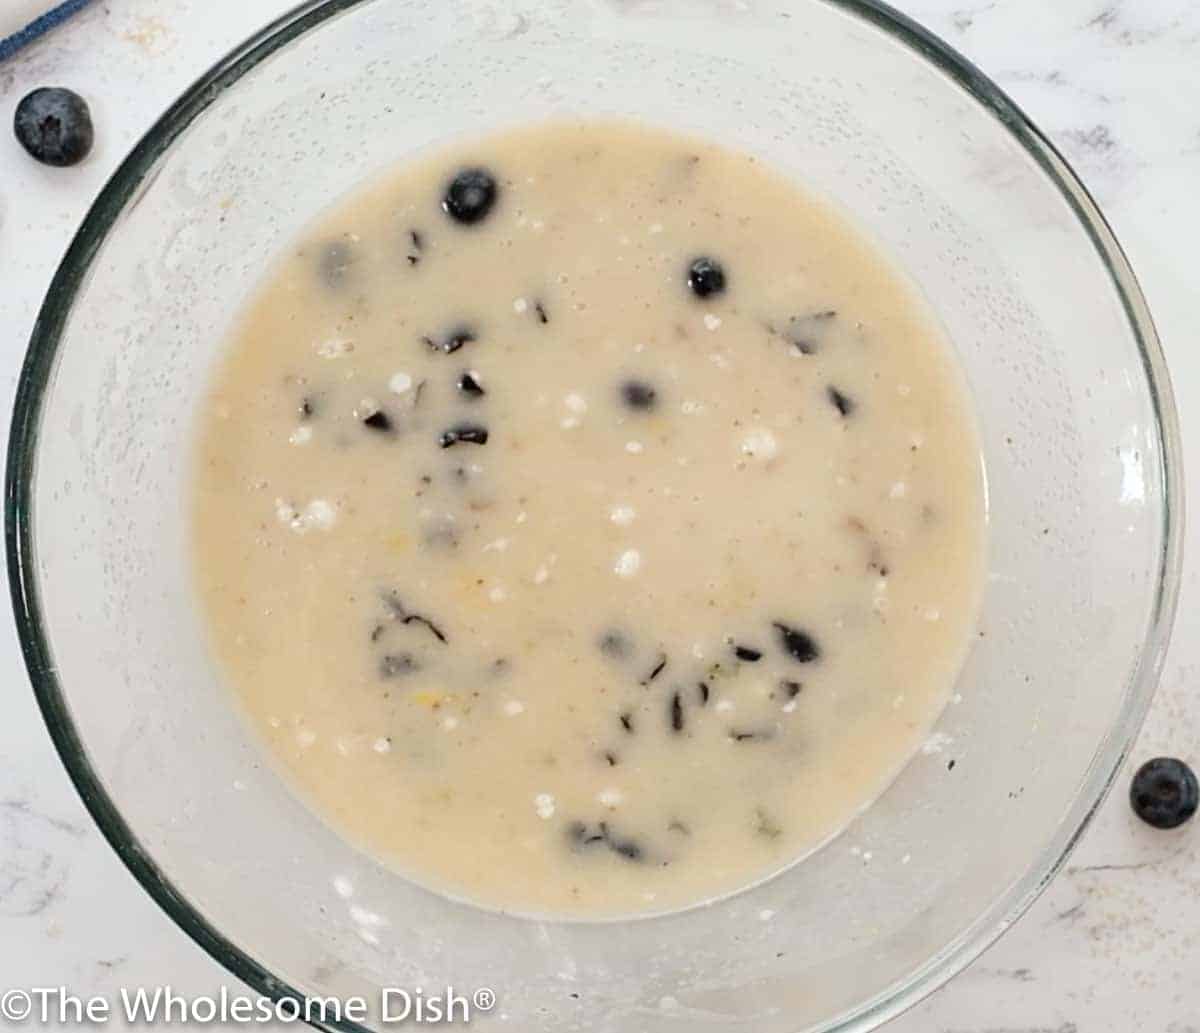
(591, 521)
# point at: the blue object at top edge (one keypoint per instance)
(55, 16)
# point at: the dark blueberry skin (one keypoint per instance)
(379, 420)
(706, 277)
(453, 340)
(676, 713)
(841, 401)
(464, 433)
(470, 387)
(637, 394)
(1164, 793)
(580, 834)
(470, 195)
(626, 848)
(799, 645)
(660, 665)
(55, 126)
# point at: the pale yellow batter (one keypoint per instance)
(564, 571)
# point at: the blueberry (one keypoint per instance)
(55, 126)
(457, 338)
(581, 835)
(706, 277)
(469, 386)
(1164, 793)
(425, 622)
(841, 401)
(470, 196)
(398, 611)
(791, 689)
(799, 645)
(468, 433)
(378, 420)
(453, 340)
(307, 408)
(626, 848)
(747, 653)
(676, 713)
(616, 644)
(396, 664)
(637, 394)
(660, 665)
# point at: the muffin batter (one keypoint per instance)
(590, 521)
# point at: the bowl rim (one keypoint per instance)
(37, 373)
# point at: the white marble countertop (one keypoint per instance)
(1113, 945)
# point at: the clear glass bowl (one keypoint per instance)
(1077, 420)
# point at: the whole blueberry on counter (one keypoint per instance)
(55, 126)
(1164, 793)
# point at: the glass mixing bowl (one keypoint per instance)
(933, 161)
